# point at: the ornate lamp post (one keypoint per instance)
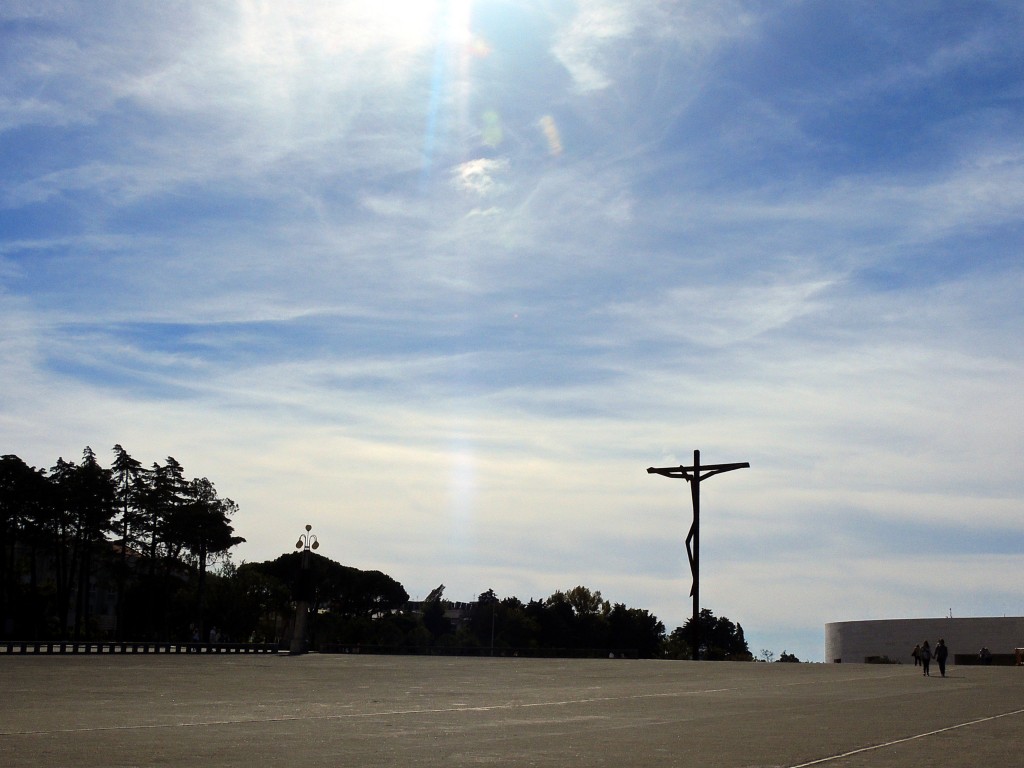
(307, 542)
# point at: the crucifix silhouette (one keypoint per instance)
(693, 475)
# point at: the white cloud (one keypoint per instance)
(603, 36)
(719, 316)
(479, 175)
(579, 45)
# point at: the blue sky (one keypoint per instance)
(442, 279)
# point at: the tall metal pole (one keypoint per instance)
(693, 475)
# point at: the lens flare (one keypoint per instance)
(550, 129)
(491, 129)
(463, 491)
(455, 45)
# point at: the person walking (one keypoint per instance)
(917, 655)
(941, 652)
(926, 658)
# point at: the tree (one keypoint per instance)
(557, 619)
(130, 492)
(635, 629)
(84, 505)
(483, 618)
(789, 658)
(247, 603)
(344, 592)
(205, 531)
(586, 603)
(722, 640)
(58, 531)
(24, 495)
(165, 533)
(71, 532)
(372, 594)
(166, 500)
(130, 489)
(677, 645)
(95, 499)
(435, 621)
(590, 619)
(515, 627)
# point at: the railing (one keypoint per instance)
(121, 647)
(63, 647)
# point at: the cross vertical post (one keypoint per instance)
(693, 475)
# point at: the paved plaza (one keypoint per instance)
(350, 710)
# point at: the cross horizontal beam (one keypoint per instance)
(703, 471)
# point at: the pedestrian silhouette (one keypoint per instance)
(926, 658)
(941, 652)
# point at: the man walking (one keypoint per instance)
(941, 652)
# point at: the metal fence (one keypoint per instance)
(59, 647)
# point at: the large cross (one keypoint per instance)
(693, 475)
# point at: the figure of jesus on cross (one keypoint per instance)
(693, 475)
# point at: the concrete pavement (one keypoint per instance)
(339, 710)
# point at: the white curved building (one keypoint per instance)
(863, 641)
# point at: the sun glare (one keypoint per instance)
(405, 23)
(323, 27)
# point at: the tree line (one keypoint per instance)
(574, 622)
(580, 622)
(142, 553)
(363, 611)
(140, 540)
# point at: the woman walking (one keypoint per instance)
(926, 658)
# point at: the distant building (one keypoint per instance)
(893, 640)
(458, 613)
